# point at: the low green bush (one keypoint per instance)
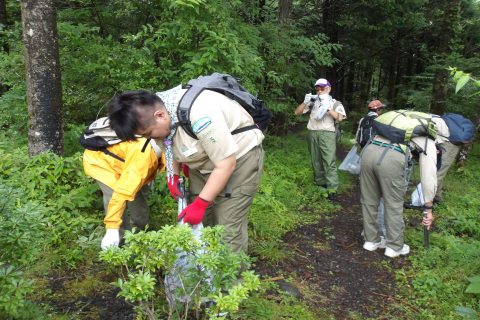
(197, 269)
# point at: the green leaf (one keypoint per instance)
(474, 286)
(462, 82)
(466, 312)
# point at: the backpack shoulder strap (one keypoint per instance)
(113, 155)
(184, 106)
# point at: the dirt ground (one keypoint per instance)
(331, 271)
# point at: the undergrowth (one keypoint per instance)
(440, 276)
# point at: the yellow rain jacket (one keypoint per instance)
(125, 178)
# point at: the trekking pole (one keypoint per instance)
(182, 201)
(426, 232)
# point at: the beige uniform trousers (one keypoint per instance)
(449, 154)
(231, 206)
(385, 179)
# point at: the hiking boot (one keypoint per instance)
(372, 246)
(331, 196)
(389, 252)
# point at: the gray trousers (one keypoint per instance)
(137, 212)
(449, 154)
(231, 206)
(385, 179)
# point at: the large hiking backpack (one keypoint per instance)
(230, 87)
(400, 126)
(367, 130)
(98, 136)
(461, 128)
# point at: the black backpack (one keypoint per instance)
(230, 87)
(367, 130)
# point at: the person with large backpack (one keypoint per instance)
(123, 170)
(401, 134)
(364, 135)
(454, 131)
(325, 113)
(209, 127)
(366, 130)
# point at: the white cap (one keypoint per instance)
(322, 83)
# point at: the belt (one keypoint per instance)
(387, 145)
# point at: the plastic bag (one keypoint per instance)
(176, 288)
(322, 104)
(417, 196)
(351, 163)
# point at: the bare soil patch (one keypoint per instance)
(331, 271)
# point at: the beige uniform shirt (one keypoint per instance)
(443, 132)
(428, 167)
(327, 123)
(213, 117)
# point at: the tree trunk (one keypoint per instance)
(391, 76)
(440, 80)
(3, 12)
(439, 92)
(366, 82)
(44, 89)
(261, 12)
(329, 17)
(284, 9)
(349, 86)
(3, 21)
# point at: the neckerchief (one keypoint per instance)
(170, 99)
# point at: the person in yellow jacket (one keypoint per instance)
(124, 184)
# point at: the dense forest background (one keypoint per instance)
(398, 51)
(62, 61)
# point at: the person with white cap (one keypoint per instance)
(325, 112)
(365, 134)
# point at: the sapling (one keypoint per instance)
(147, 257)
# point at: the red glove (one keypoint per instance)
(194, 212)
(173, 187)
(185, 170)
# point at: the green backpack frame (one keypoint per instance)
(400, 126)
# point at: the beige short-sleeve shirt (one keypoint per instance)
(327, 122)
(443, 133)
(428, 166)
(213, 117)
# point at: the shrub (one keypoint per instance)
(200, 270)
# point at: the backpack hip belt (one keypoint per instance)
(387, 145)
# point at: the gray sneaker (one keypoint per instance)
(372, 246)
(389, 252)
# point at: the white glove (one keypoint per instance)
(308, 99)
(111, 238)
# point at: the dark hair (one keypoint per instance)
(123, 112)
